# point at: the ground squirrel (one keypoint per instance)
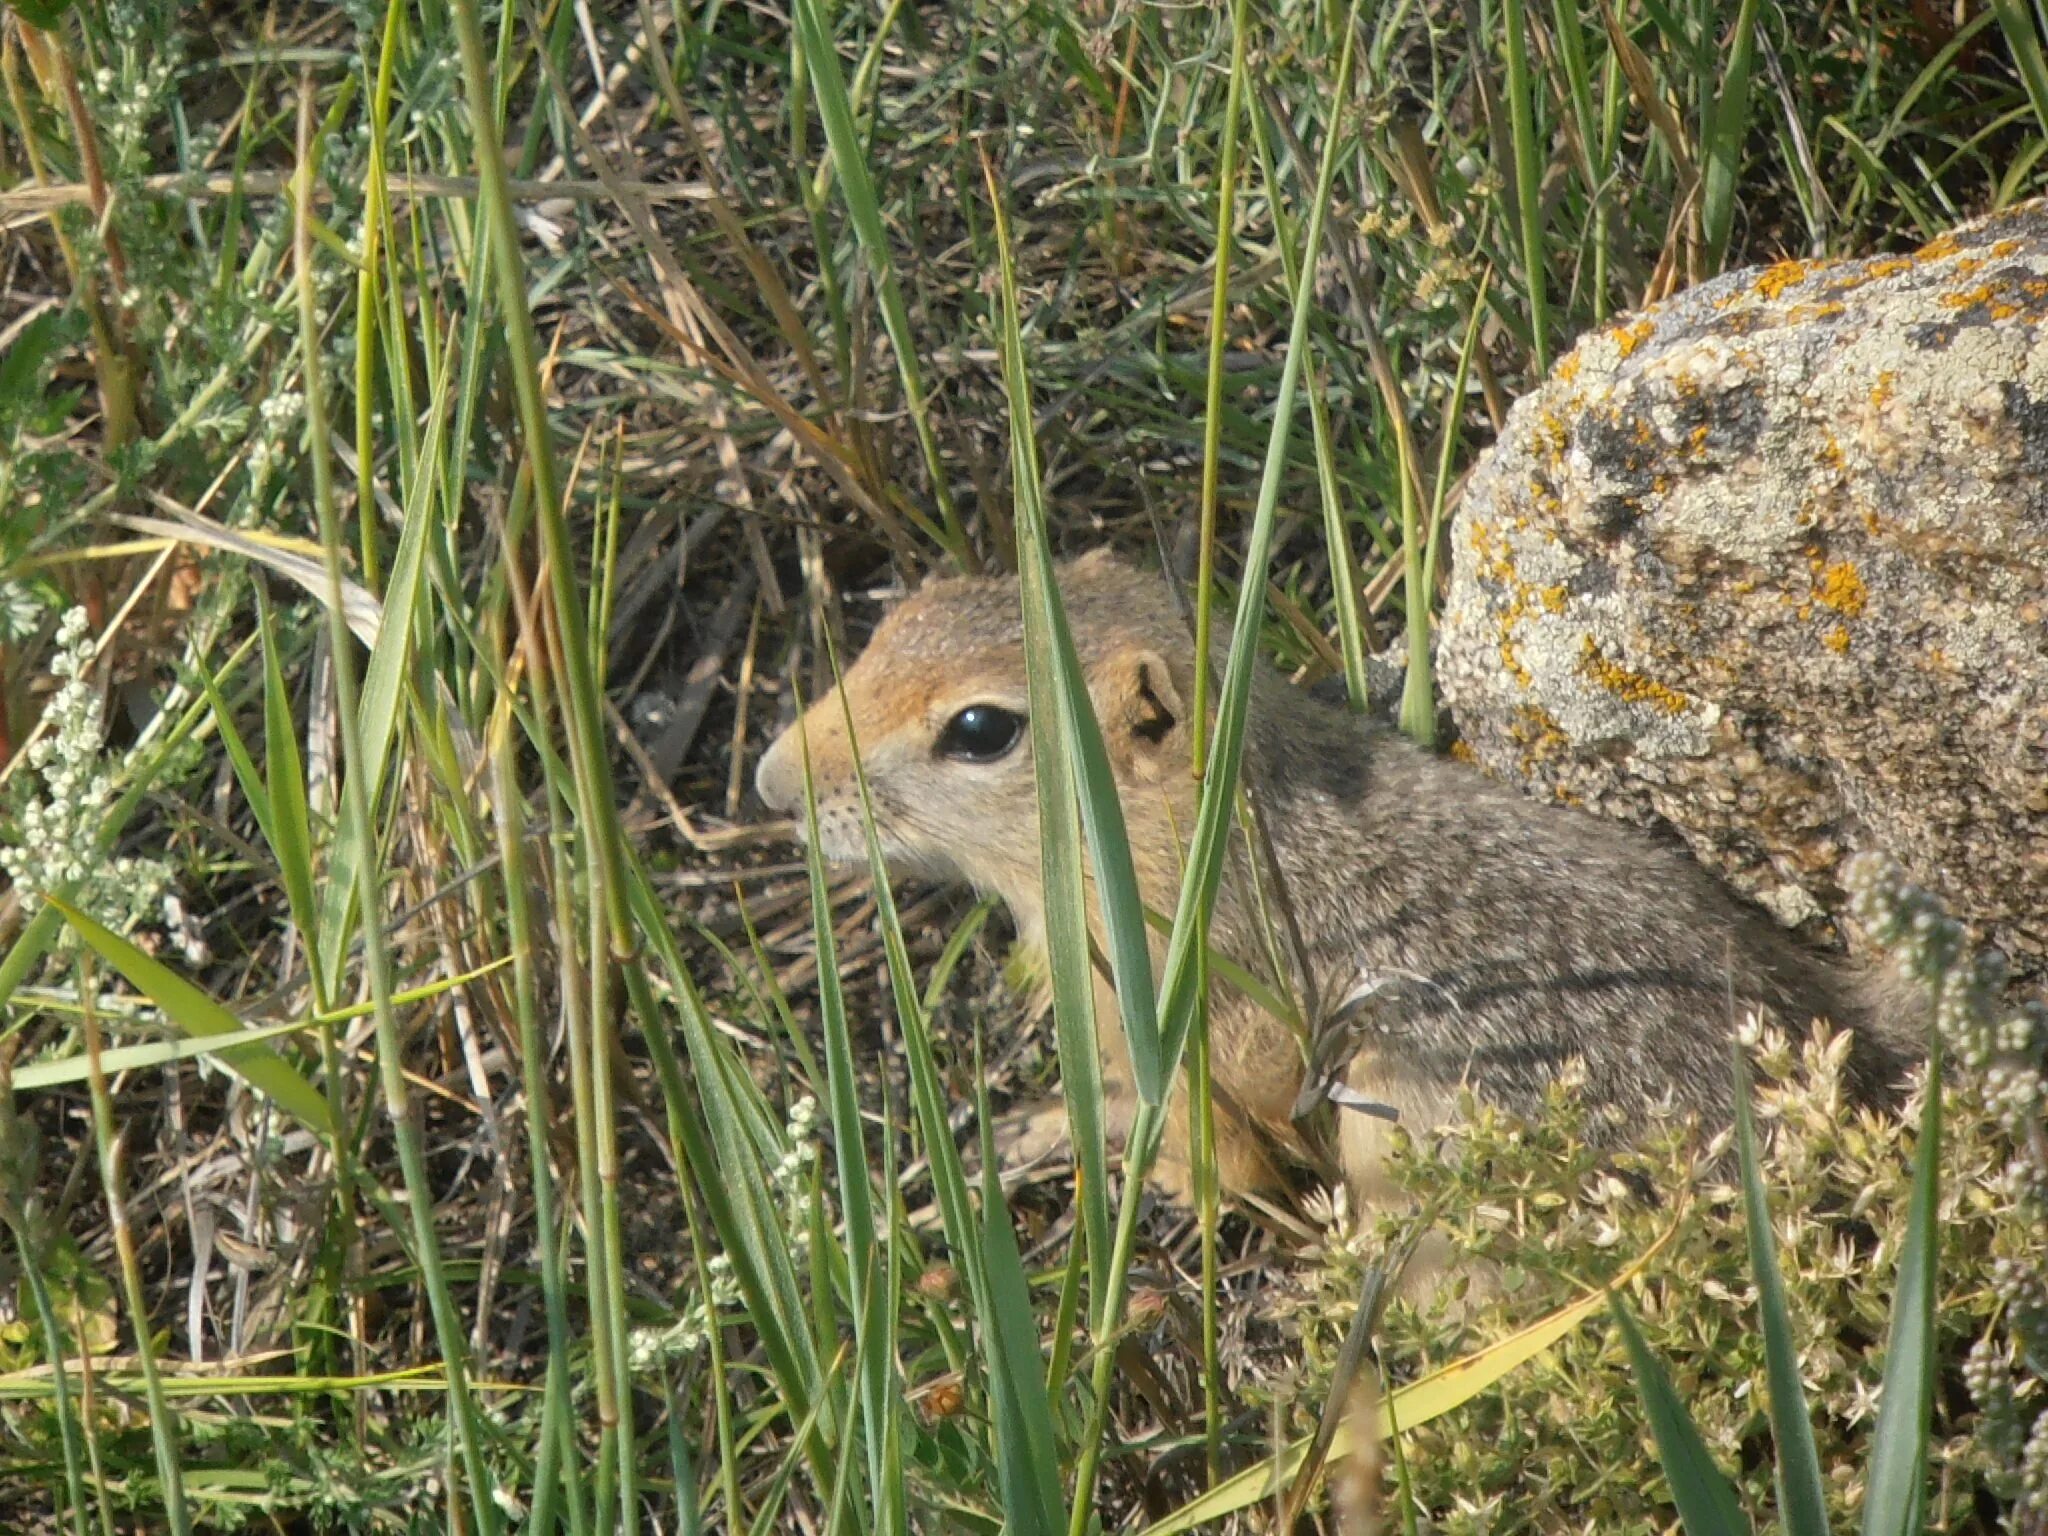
(1454, 931)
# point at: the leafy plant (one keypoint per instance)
(1929, 947)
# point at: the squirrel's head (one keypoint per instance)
(940, 708)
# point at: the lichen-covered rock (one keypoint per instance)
(1770, 562)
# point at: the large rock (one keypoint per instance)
(1770, 562)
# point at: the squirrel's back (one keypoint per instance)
(1496, 939)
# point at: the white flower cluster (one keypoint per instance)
(278, 415)
(133, 102)
(2005, 1047)
(53, 844)
(790, 1179)
(2003, 1050)
(21, 612)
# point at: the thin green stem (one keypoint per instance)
(1213, 822)
(1528, 180)
(1201, 1098)
(1212, 402)
(524, 940)
(359, 825)
(162, 1424)
(32, 1262)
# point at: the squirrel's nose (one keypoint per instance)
(779, 776)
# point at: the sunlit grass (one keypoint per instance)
(465, 1142)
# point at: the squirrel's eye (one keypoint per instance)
(980, 733)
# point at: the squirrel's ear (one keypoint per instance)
(1139, 709)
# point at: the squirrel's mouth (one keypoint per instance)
(843, 839)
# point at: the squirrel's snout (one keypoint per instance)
(779, 776)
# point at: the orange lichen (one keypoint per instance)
(1536, 731)
(1841, 589)
(1836, 640)
(1775, 280)
(1939, 248)
(1870, 272)
(1493, 564)
(1511, 658)
(2026, 299)
(1462, 752)
(1881, 392)
(1627, 684)
(1628, 337)
(1984, 297)
(1568, 369)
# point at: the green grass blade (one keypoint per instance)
(1529, 160)
(1345, 583)
(733, 1182)
(1219, 786)
(928, 1095)
(382, 693)
(1895, 1499)
(157, 1053)
(2023, 36)
(65, 1410)
(1454, 411)
(1212, 384)
(290, 826)
(1727, 127)
(842, 140)
(164, 1426)
(247, 774)
(153, 1053)
(873, 1311)
(358, 829)
(1877, 179)
(1567, 25)
(1067, 747)
(1706, 1502)
(1027, 1458)
(1183, 970)
(1801, 1502)
(198, 1015)
(565, 1477)
(1069, 964)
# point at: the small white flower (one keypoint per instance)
(54, 843)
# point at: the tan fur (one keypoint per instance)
(1485, 940)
